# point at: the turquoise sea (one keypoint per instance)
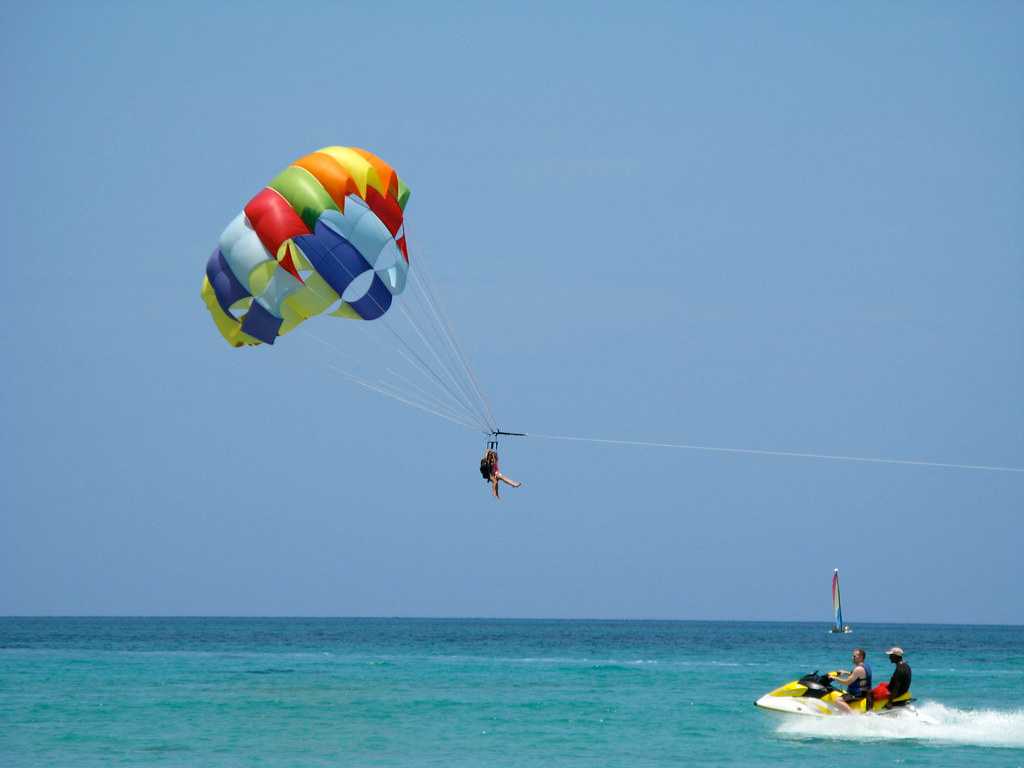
(407, 692)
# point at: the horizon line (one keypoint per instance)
(4, 616)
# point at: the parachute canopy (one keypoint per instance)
(326, 236)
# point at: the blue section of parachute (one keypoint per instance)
(226, 286)
(339, 263)
(258, 322)
(375, 302)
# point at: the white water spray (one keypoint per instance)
(937, 724)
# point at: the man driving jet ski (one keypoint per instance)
(857, 682)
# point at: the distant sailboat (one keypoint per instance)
(837, 607)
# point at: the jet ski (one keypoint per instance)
(815, 695)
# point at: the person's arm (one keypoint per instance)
(895, 687)
(850, 677)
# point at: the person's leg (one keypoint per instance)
(494, 486)
(843, 706)
(505, 480)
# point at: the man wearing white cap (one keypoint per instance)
(899, 683)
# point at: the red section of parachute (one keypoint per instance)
(287, 263)
(274, 221)
(387, 209)
(403, 247)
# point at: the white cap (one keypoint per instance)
(894, 651)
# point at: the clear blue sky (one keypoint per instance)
(787, 226)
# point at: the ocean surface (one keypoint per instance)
(407, 692)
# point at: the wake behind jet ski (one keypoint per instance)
(815, 695)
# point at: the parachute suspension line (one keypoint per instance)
(416, 301)
(452, 403)
(419, 305)
(423, 395)
(399, 398)
(386, 390)
(421, 361)
(469, 385)
(787, 454)
(395, 393)
(426, 374)
(397, 335)
(453, 379)
(420, 300)
(425, 283)
(460, 412)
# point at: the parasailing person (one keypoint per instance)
(489, 468)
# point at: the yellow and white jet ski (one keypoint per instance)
(815, 695)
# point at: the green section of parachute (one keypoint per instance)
(403, 194)
(304, 194)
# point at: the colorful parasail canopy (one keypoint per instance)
(325, 236)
